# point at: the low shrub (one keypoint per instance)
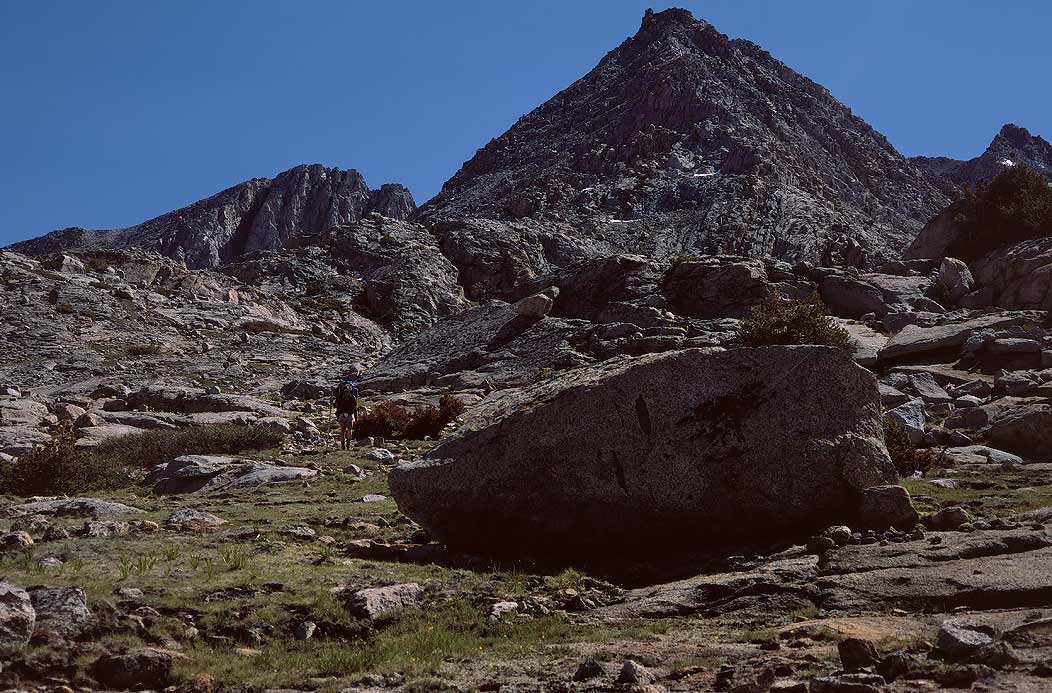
(906, 457)
(59, 467)
(1015, 205)
(143, 349)
(148, 449)
(390, 420)
(781, 320)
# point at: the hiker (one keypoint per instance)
(346, 400)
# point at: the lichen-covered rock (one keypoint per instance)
(136, 669)
(718, 446)
(16, 615)
(376, 602)
(62, 610)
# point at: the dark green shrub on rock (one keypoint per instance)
(780, 320)
(59, 467)
(904, 454)
(1013, 206)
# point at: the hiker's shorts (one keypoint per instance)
(346, 419)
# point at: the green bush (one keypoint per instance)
(143, 349)
(390, 420)
(147, 450)
(904, 454)
(781, 320)
(58, 467)
(1013, 206)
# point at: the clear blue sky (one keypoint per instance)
(119, 110)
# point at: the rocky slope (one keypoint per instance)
(682, 141)
(260, 214)
(1012, 145)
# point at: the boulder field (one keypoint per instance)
(689, 448)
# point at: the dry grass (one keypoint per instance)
(390, 420)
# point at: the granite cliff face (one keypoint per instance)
(259, 214)
(682, 141)
(1013, 145)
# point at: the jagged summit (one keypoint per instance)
(682, 140)
(1011, 146)
(258, 214)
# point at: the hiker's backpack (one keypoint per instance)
(347, 396)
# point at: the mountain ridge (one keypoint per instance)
(257, 214)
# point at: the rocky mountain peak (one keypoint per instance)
(683, 141)
(1019, 146)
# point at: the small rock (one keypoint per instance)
(887, 506)
(377, 602)
(848, 683)
(55, 533)
(634, 674)
(534, 307)
(950, 519)
(15, 541)
(17, 616)
(305, 630)
(911, 417)
(958, 639)
(106, 528)
(380, 455)
(788, 686)
(137, 669)
(856, 654)
(820, 545)
(502, 609)
(840, 535)
(588, 670)
(894, 665)
(192, 521)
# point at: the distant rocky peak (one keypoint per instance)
(1012, 146)
(1016, 145)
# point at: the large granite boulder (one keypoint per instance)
(675, 450)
